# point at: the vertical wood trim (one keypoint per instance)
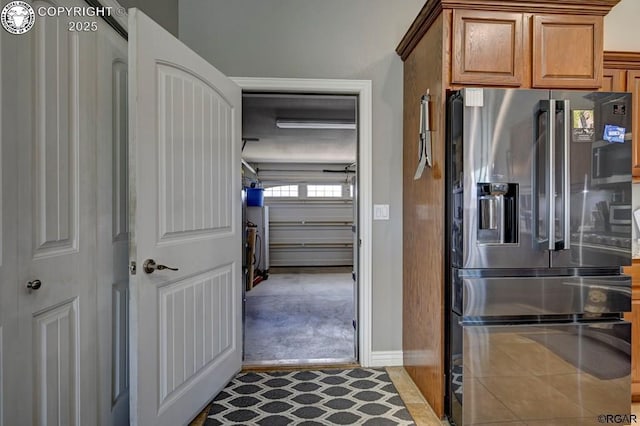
(527, 53)
(633, 86)
(423, 222)
(613, 80)
(447, 47)
(634, 318)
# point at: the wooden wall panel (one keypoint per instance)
(423, 223)
(633, 86)
(634, 317)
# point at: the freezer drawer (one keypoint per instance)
(539, 374)
(590, 296)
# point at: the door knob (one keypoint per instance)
(34, 285)
(150, 265)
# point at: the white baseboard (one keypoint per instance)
(386, 359)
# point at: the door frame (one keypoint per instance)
(361, 88)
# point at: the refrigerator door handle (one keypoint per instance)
(566, 172)
(551, 181)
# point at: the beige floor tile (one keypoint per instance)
(538, 359)
(532, 398)
(510, 338)
(484, 360)
(587, 391)
(480, 406)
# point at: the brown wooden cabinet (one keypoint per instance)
(634, 318)
(567, 51)
(633, 86)
(526, 50)
(450, 44)
(487, 48)
(622, 74)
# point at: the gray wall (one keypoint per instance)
(164, 12)
(352, 39)
(621, 31)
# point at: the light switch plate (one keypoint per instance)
(381, 212)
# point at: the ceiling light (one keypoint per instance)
(316, 124)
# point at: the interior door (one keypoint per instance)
(11, 109)
(113, 231)
(53, 379)
(185, 203)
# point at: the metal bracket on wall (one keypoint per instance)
(424, 139)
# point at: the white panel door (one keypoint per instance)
(185, 203)
(8, 222)
(113, 232)
(56, 339)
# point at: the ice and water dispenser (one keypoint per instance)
(497, 213)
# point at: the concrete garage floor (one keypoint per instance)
(301, 315)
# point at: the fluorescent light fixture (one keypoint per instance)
(315, 124)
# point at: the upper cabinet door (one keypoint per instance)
(487, 48)
(567, 51)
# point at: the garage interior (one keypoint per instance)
(299, 173)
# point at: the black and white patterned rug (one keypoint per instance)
(360, 396)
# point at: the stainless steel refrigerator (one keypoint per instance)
(539, 226)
